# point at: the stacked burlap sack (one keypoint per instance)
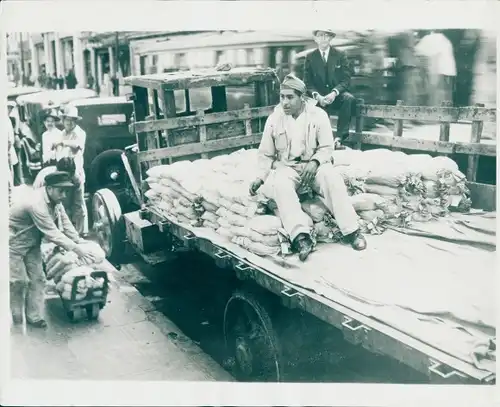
(63, 267)
(396, 188)
(213, 193)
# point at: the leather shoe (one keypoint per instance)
(357, 240)
(304, 246)
(37, 324)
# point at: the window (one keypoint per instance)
(180, 61)
(219, 57)
(250, 57)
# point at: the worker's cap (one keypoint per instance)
(71, 112)
(59, 179)
(292, 82)
(331, 33)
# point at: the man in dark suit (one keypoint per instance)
(327, 75)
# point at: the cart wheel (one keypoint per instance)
(108, 223)
(93, 311)
(251, 340)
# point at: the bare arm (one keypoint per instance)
(68, 228)
(325, 147)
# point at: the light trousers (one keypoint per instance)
(27, 284)
(282, 185)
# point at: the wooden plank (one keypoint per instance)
(152, 143)
(203, 79)
(440, 147)
(179, 122)
(203, 131)
(483, 196)
(167, 102)
(475, 137)
(398, 125)
(248, 122)
(359, 122)
(444, 127)
(424, 113)
(199, 148)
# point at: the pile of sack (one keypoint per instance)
(63, 267)
(386, 188)
(396, 188)
(213, 193)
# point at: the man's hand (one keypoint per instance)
(254, 187)
(308, 174)
(81, 252)
(330, 98)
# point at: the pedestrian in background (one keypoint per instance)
(71, 81)
(437, 54)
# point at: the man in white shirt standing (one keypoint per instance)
(437, 51)
(72, 144)
(50, 136)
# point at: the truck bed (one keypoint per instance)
(430, 288)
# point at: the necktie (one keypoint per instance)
(324, 56)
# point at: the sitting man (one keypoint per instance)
(39, 215)
(327, 75)
(297, 143)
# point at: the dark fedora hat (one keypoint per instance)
(59, 179)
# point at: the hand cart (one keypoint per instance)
(94, 301)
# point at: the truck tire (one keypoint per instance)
(108, 224)
(252, 343)
(102, 169)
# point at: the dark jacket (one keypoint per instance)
(321, 79)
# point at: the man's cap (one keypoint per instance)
(59, 179)
(331, 32)
(292, 82)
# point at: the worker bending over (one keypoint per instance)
(298, 144)
(36, 216)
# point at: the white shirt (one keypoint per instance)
(49, 138)
(78, 135)
(439, 50)
(295, 129)
(325, 54)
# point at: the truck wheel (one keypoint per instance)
(108, 223)
(251, 341)
(107, 170)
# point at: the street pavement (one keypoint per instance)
(130, 341)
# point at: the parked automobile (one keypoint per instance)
(105, 120)
(32, 108)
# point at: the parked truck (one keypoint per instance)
(433, 344)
